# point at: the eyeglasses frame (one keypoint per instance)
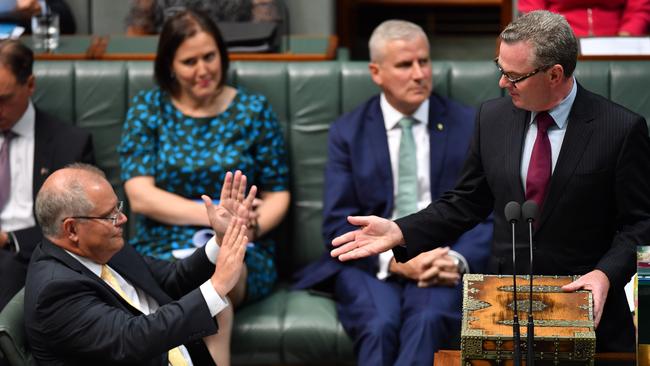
(114, 218)
(521, 78)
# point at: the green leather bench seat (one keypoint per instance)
(292, 327)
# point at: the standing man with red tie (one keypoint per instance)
(581, 157)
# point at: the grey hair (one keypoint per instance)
(55, 203)
(391, 30)
(549, 34)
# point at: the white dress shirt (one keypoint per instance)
(555, 132)
(422, 151)
(18, 213)
(147, 304)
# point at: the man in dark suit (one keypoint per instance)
(589, 173)
(91, 300)
(38, 145)
(397, 313)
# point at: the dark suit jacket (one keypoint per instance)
(597, 207)
(359, 180)
(56, 145)
(72, 317)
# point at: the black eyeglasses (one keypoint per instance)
(516, 80)
(113, 218)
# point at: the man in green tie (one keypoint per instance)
(390, 157)
(90, 299)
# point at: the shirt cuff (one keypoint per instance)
(463, 265)
(212, 250)
(384, 263)
(215, 302)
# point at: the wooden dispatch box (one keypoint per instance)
(564, 325)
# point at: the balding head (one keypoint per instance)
(64, 194)
(79, 212)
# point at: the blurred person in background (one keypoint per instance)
(598, 17)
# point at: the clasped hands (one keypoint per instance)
(432, 268)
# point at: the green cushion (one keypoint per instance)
(257, 332)
(312, 333)
(12, 333)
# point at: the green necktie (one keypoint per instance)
(406, 201)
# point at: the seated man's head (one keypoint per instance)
(78, 210)
(16, 81)
(400, 64)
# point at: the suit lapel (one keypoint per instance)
(43, 152)
(377, 149)
(130, 265)
(514, 142)
(578, 133)
(438, 139)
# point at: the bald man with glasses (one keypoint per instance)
(91, 299)
(581, 157)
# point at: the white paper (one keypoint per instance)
(593, 46)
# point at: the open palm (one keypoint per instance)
(233, 203)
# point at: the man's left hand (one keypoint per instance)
(597, 282)
(233, 203)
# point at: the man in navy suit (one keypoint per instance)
(594, 196)
(397, 313)
(39, 144)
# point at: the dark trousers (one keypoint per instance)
(395, 322)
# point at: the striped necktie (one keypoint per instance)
(175, 355)
(5, 169)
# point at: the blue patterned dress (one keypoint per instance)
(190, 156)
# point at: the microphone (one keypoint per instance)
(513, 214)
(529, 211)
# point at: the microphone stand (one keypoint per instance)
(513, 213)
(530, 212)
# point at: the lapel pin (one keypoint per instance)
(440, 126)
(45, 171)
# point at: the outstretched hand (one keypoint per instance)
(375, 236)
(597, 282)
(233, 203)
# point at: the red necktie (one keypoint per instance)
(539, 169)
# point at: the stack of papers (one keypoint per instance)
(8, 30)
(593, 46)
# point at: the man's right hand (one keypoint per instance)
(375, 236)
(230, 260)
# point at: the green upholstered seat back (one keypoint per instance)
(12, 333)
(307, 97)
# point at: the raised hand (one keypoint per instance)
(375, 236)
(230, 260)
(233, 203)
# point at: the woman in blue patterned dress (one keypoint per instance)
(181, 138)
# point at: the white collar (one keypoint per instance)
(392, 116)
